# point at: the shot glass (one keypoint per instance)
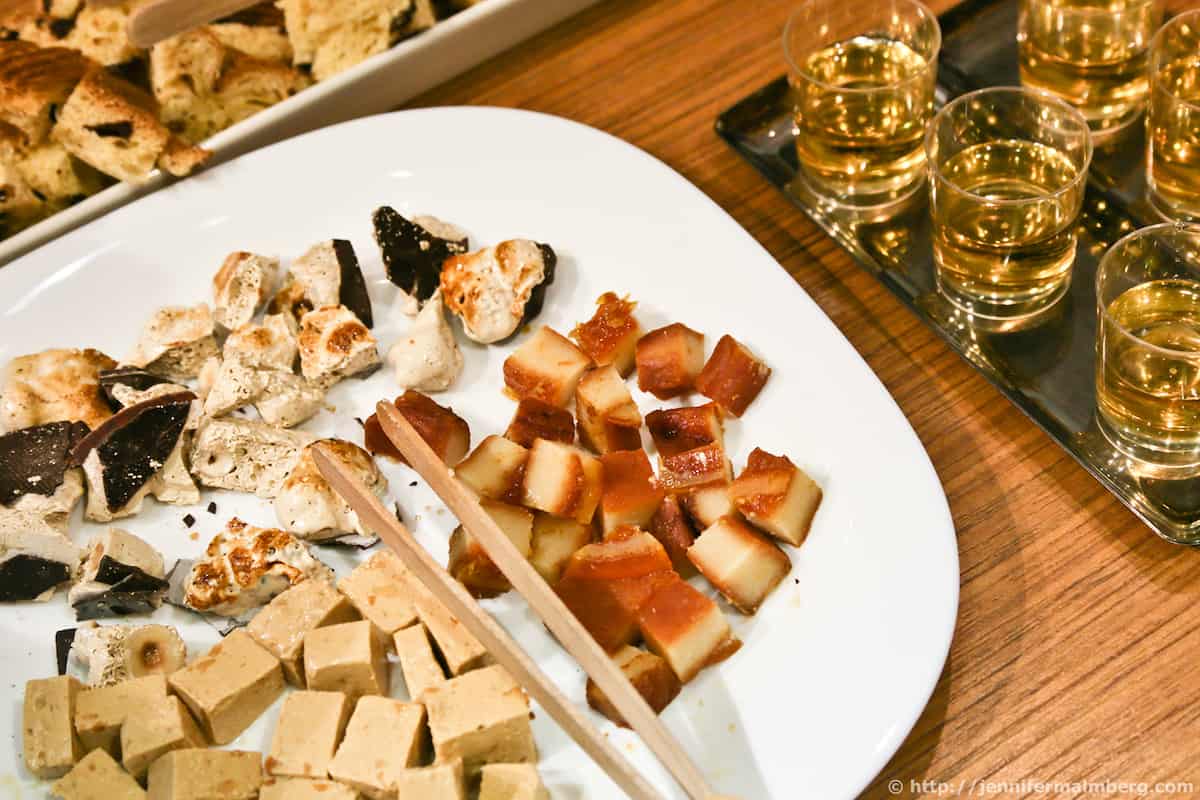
(1090, 53)
(1008, 168)
(1173, 121)
(1148, 349)
(863, 82)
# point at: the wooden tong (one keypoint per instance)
(541, 598)
(149, 24)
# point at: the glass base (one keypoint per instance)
(1167, 211)
(877, 202)
(1007, 314)
(1148, 460)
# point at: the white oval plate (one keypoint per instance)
(839, 662)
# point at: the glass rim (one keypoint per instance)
(935, 169)
(1095, 11)
(930, 62)
(1156, 46)
(1105, 317)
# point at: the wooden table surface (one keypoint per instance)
(1074, 657)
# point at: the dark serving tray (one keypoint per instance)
(1046, 371)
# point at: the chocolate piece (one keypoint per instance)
(24, 576)
(34, 460)
(189, 520)
(62, 647)
(412, 255)
(113, 602)
(134, 443)
(133, 377)
(212, 507)
(353, 288)
(537, 296)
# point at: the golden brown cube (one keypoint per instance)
(309, 730)
(707, 504)
(631, 495)
(444, 431)
(417, 660)
(537, 419)
(555, 540)
(609, 420)
(562, 480)
(733, 376)
(685, 628)
(306, 789)
(282, 623)
(650, 676)
(470, 563)
(230, 686)
(546, 366)
(674, 533)
(348, 658)
(158, 727)
(675, 430)
(444, 781)
(511, 782)
(100, 711)
(481, 717)
(494, 469)
(384, 738)
(611, 335)
(380, 590)
(697, 467)
(192, 774)
(97, 777)
(50, 745)
(669, 359)
(777, 496)
(743, 565)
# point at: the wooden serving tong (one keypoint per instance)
(541, 598)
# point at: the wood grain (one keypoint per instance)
(1074, 657)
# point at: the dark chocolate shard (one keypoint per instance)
(62, 647)
(134, 377)
(34, 460)
(353, 292)
(134, 443)
(128, 577)
(412, 256)
(537, 297)
(114, 602)
(24, 576)
(177, 580)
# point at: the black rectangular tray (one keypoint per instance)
(1047, 371)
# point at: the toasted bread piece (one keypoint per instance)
(97, 29)
(609, 419)
(669, 359)
(19, 206)
(611, 335)
(58, 176)
(357, 29)
(35, 82)
(257, 31)
(250, 84)
(732, 376)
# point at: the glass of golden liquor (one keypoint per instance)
(1091, 53)
(1173, 121)
(1148, 350)
(863, 78)
(1008, 168)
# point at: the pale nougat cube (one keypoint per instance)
(744, 566)
(444, 781)
(50, 745)
(685, 628)
(310, 728)
(631, 494)
(349, 658)
(562, 480)
(379, 589)
(97, 777)
(494, 469)
(547, 366)
(668, 360)
(481, 717)
(230, 686)
(777, 496)
(240, 288)
(384, 738)
(707, 504)
(417, 660)
(306, 789)
(609, 419)
(281, 625)
(100, 711)
(335, 344)
(157, 727)
(555, 539)
(512, 782)
(470, 564)
(193, 774)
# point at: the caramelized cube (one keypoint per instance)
(443, 430)
(673, 532)
(742, 564)
(605, 584)
(494, 469)
(537, 419)
(561, 480)
(650, 676)
(707, 504)
(470, 563)
(777, 496)
(697, 467)
(685, 628)
(611, 335)
(547, 366)
(675, 430)
(733, 376)
(609, 420)
(555, 540)
(631, 494)
(669, 359)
